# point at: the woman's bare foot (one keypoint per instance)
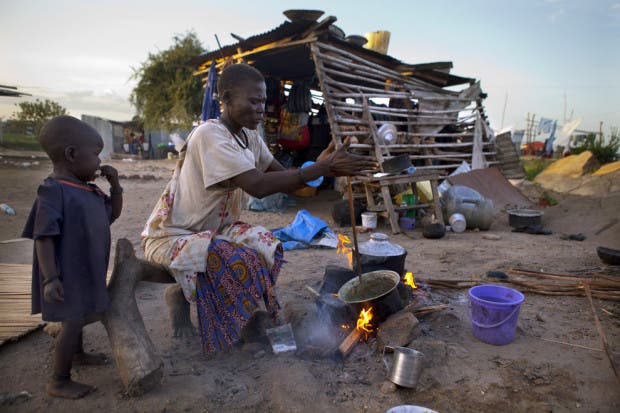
(68, 389)
(90, 359)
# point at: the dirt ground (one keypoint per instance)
(461, 374)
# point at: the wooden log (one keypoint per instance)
(349, 342)
(139, 366)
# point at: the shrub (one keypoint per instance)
(603, 152)
(534, 166)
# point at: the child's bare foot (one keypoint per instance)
(68, 389)
(90, 359)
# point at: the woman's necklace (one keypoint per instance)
(242, 142)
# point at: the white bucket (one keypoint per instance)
(457, 222)
(369, 220)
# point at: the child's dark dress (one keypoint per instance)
(78, 217)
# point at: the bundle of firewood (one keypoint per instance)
(545, 283)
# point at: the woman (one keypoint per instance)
(224, 266)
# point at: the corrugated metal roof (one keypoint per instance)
(437, 73)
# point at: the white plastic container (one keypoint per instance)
(369, 220)
(457, 222)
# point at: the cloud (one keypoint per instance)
(110, 104)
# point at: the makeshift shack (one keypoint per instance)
(323, 86)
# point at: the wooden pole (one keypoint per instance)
(504, 111)
(356, 255)
(586, 288)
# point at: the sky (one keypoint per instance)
(552, 58)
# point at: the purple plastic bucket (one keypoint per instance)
(494, 313)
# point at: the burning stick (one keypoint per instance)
(349, 342)
(363, 326)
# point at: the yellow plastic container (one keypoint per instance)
(378, 41)
(306, 191)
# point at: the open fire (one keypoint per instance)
(408, 279)
(363, 322)
(344, 248)
(363, 326)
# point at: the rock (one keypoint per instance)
(492, 237)
(260, 354)
(11, 399)
(397, 330)
(388, 387)
(52, 328)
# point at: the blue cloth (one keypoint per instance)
(77, 216)
(545, 125)
(298, 234)
(549, 141)
(210, 102)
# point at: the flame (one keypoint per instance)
(344, 248)
(363, 322)
(409, 280)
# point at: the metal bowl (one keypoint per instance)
(608, 256)
(296, 15)
(356, 39)
(524, 217)
(396, 164)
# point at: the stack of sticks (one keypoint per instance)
(545, 283)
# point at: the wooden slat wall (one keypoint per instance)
(15, 317)
(15, 302)
(344, 75)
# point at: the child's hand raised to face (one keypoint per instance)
(110, 173)
(53, 291)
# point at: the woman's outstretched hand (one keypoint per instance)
(342, 163)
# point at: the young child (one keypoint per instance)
(70, 225)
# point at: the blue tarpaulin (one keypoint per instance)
(210, 102)
(304, 229)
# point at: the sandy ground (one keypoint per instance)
(461, 373)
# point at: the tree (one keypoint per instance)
(168, 96)
(38, 112)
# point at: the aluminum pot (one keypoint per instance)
(378, 253)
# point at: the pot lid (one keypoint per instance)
(380, 246)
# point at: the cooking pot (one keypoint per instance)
(524, 217)
(379, 253)
(378, 290)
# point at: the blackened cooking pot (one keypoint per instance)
(378, 291)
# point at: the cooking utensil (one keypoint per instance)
(524, 217)
(378, 291)
(406, 367)
(296, 15)
(397, 164)
(356, 39)
(608, 255)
